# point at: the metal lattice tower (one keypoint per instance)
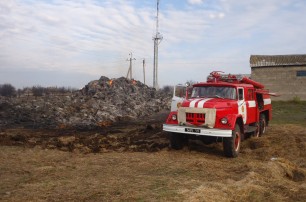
(157, 39)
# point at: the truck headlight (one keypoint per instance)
(174, 117)
(224, 121)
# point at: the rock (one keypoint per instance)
(103, 100)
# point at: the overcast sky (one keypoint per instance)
(69, 43)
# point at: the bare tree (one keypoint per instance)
(37, 91)
(7, 90)
(192, 82)
(167, 89)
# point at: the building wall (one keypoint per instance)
(282, 80)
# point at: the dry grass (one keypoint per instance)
(271, 168)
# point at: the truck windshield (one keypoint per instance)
(214, 91)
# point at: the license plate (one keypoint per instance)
(192, 130)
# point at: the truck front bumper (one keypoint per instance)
(197, 130)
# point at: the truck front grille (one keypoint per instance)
(195, 118)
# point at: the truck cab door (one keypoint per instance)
(179, 93)
(242, 109)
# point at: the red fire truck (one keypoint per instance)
(223, 109)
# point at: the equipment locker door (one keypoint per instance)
(242, 109)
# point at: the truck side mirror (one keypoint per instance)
(187, 84)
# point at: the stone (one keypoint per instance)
(100, 101)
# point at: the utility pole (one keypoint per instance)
(144, 71)
(157, 39)
(131, 64)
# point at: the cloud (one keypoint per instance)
(195, 2)
(216, 15)
(77, 34)
(95, 37)
(56, 34)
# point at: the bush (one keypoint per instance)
(37, 91)
(296, 99)
(7, 90)
(41, 91)
(167, 89)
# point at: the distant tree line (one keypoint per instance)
(9, 90)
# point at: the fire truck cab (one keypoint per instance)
(223, 109)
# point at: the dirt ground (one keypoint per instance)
(132, 162)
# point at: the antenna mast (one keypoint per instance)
(157, 39)
(144, 71)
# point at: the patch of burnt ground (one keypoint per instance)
(122, 137)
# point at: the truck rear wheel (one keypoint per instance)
(262, 124)
(176, 141)
(256, 133)
(231, 145)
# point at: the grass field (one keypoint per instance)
(291, 112)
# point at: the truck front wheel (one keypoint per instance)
(176, 141)
(231, 145)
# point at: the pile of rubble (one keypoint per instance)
(100, 103)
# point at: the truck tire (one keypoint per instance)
(256, 133)
(176, 141)
(262, 124)
(231, 145)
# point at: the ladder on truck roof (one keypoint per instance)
(215, 76)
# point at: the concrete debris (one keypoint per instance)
(100, 103)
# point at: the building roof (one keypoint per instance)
(277, 60)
